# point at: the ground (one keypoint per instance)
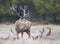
(54, 38)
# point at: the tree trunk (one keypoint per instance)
(44, 17)
(54, 18)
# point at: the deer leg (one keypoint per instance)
(28, 32)
(41, 35)
(17, 35)
(22, 34)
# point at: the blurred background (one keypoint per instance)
(39, 10)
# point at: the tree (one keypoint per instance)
(48, 7)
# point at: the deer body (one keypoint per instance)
(23, 25)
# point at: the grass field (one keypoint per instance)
(54, 38)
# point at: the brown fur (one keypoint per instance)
(26, 27)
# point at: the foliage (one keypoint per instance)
(37, 8)
(47, 7)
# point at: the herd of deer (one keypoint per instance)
(23, 25)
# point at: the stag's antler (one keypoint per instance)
(24, 10)
(13, 8)
(49, 31)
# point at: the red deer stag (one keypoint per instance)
(23, 25)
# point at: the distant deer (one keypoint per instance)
(42, 32)
(48, 34)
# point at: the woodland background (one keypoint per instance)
(46, 10)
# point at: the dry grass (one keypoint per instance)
(54, 38)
